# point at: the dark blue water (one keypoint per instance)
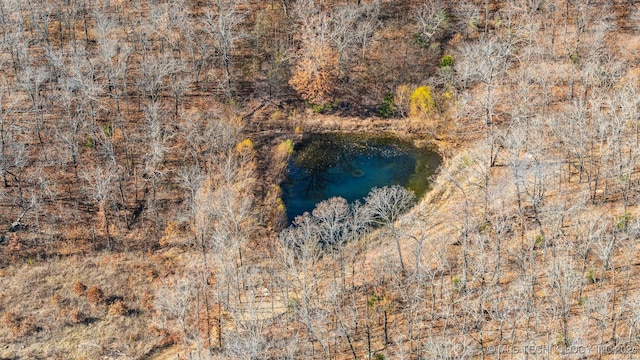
(349, 166)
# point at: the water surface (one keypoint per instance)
(349, 166)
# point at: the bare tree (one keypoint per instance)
(250, 338)
(100, 185)
(7, 126)
(621, 147)
(179, 304)
(332, 217)
(222, 25)
(487, 62)
(433, 20)
(114, 55)
(14, 39)
(301, 253)
(317, 69)
(564, 280)
(32, 79)
(385, 205)
(351, 27)
(158, 136)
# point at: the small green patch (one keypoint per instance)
(386, 109)
(292, 305)
(277, 115)
(582, 301)
(622, 221)
(458, 284)
(373, 299)
(107, 130)
(446, 61)
(89, 143)
(379, 356)
(418, 40)
(575, 58)
(286, 147)
(485, 227)
(563, 341)
(538, 242)
(466, 162)
(319, 108)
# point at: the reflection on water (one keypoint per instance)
(347, 165)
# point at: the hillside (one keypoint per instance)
(142, 144)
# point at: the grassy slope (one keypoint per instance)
(43, 317)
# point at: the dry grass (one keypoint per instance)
(43, 300)
(64, 297)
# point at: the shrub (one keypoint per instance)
(19, 325)
(418, 40)
(539, 242)
(292, 305)
(591, 276)
(9, 319)
(622, 222)
(283, 150)
(146, 301)
(89, 143)
(56, 300)
(277, 116)
(401, 100)
(107, 130)
(315, 76)
(386, 109)
(280, 156)
(25, 327)
(446, 61)
(575, 58)
(79, 288)
(372, 300)
(244, 146)
(320, 108)
(474, 23)
(457, 283)
(421, 102)
(118, 308)
(76, 316)
(582, 301)
(563, 342)
(95, 295)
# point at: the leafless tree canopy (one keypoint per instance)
(142, 145)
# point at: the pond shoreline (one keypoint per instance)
(270, 132)
(349, 165)
(296, 127)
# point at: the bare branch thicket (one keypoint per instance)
(222, 25)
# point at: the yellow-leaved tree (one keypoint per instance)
(421, 103)
(424, 112)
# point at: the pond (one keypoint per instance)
(349, 166)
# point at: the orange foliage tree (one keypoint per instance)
(316, 74)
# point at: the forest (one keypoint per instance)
(143, 144)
